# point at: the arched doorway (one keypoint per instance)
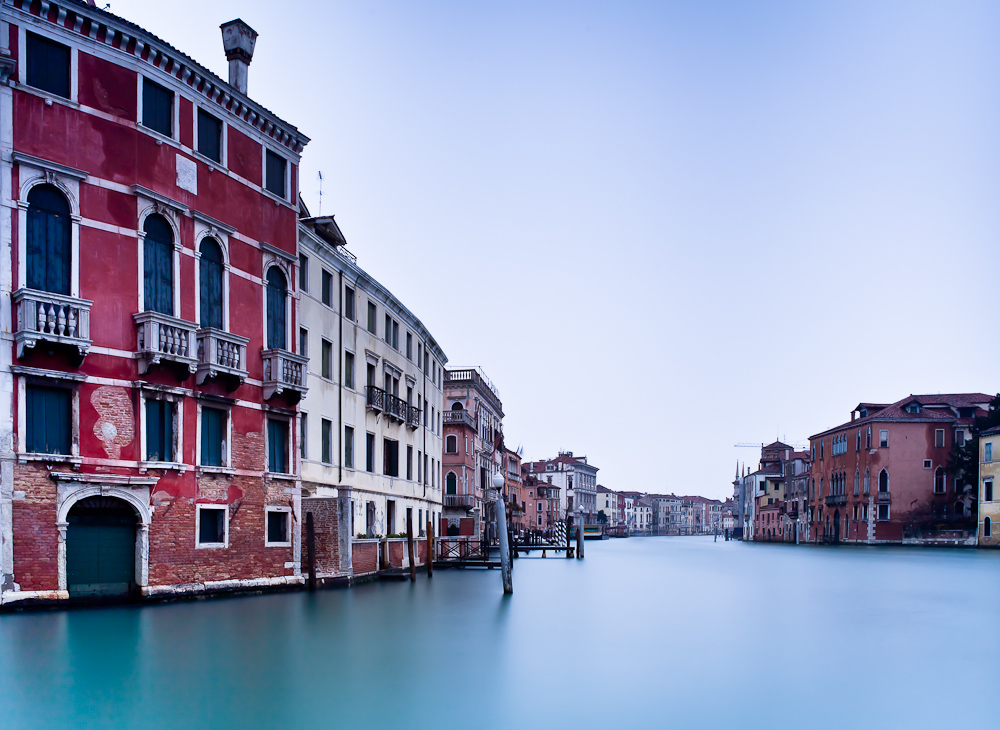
(101, 547)
(836, 526)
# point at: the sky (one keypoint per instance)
(661, 229)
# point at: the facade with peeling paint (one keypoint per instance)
(150, 371)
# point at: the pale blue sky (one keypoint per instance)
(660, 228)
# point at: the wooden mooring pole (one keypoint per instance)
(409, 545)
(311, 550)
(579, 536)
(430, 549)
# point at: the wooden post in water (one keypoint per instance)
(430, 549)
(409, 545)
(569, 533)
(311, 550)
(501, 508)
(579, 536)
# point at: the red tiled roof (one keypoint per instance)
(896, 412)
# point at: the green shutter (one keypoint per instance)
(213, 427)
(210, 284)
(48, 416)
(158, 266)
(276, 293)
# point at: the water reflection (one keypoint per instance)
(654, 632)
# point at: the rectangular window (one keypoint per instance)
(210, 136)
(303, 272)
(326, 358)
(277, 527)
(927, 464)
(348, 369)
(49, 420)
(47, 65)
(277, 446)
(213, 437)
(960, 438)
(349, 303)
(370, 452)
(303, 341)
(387, 334)
(883, 512)
(868, 438)
(327, 435)
(303, 432)
(883, 439)
(157, 108)
(327, 288)
(395, 335)
(372, 314)
(988, 490)
(159, 430)
(349, 447)
(409, 462)
(938, 438)
(420, 355)
(390, 457)
(988, 449)
(211, 526)
(274, 178)
(409, 346)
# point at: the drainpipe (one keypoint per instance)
(340, 385)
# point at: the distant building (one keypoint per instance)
(576, 479)
(643, 516)
(883, 476)
(989, 481)
(607, 504)
(666, 514)
(542, 511)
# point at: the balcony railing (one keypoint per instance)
(45, 317)
(284, 371)
(375, 398)
(459, 418)
(161, 337)
(464, 501)
(884, 496)
(835, 499)
(395, 408)
(221, 354)
(412, 417)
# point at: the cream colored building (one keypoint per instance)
(989, 482)
(371, 418)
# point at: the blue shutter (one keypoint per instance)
(48, 240)
(212, 433)
(158, 266)
(210, 275)
(277, 447)
(48, 415)
(276, 293)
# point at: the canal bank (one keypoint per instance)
(646, 631)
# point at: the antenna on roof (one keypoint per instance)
(320, 212)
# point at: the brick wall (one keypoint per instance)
(364, 555)
(325, 527)
(36, 538)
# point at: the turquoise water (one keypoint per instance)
(653, 632)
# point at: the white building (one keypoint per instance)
(607, 502)
(371, 418)
(577, 481)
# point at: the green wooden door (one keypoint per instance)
(100, 548)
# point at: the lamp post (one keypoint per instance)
(501, 510)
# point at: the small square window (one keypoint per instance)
(274, 179)
(277, 527)
(883, 512)
(212, 526)
(157, 108)
(927, 463)
(209, 136)
(48, 65)
(327, 288)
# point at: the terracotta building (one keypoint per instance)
(989, 482)
(883, 476)
(542, 511)
(150, 371)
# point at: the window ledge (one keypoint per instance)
(165, 465)
(280, 477)
(228, 470)
(210, 545)
(277, 544)
(205, 159)
(54, 458)
(278, 200)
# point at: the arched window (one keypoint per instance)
(210, 283)
(451, 444)
(48, 237)
(987, 527)
(857, 481)
(868, 481)
(277, 295)
(939, 481)
(820, 495)
(883, 481)
(451, 483)
(456, 406)
(158, 266)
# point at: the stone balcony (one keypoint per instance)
(162, 338)
(460, 501)
(884, 497)
(284, 371)
(836, 499)
(54, 318)
(459, 418)
(221, 355)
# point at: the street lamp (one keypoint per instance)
(498, 482)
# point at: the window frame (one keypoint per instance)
(271, 417)
(348, 450)
(348, 375)
(226, 465)
(22, 68)
(146, 393)
(350, 303)
(223, 161)
(141, 111)
(73, 425)
(938, 435)
(326, 288)
(286, 184)
(221, 239)
(326, 359)
(883, 443)
(198, 544)
(326, 441)
(276, 509)
(372, 323)
(170, 215)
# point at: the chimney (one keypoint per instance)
(238, 39)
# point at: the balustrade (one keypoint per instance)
(221, 354)
(45, 317)
(284, 371)
(161, 337)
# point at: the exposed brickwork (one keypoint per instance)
(115, 425)
(325, 527)
(364, 557)
(36, 538)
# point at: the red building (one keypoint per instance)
(883, 476)
(149, 239)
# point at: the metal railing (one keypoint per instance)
(462, 548)
(460, 417)
(221, 353)
(283, 371)
(43, 316)
(374, 398)
(162, 337)
(413, 417)
(395, 407)
(466, 501)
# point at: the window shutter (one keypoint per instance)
(158, 266)
(275, 309)
(210, 275)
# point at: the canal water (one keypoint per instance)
(652, 632)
